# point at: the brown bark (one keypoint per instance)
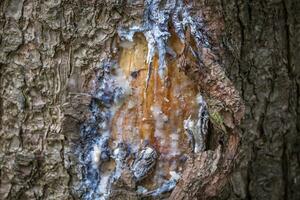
(49, 50)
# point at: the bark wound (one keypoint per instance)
(200, 64)
(145, 106)
(156, 112)
(50, 48)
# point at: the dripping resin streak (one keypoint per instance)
(145, 114)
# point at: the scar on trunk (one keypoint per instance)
(165, 100)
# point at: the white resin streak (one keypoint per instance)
(155, 28)
(109, 89)
(197, 128)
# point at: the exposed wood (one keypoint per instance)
(50, 52)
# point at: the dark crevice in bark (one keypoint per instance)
(285, 169)
(242, 45)
(242, 28)
(298, 109)
(248, 179)
(21, 138)
(1, 100)
(223, 10)
(249, 4)
(285, 163)
(288, 47)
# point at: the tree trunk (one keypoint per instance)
(51, 51)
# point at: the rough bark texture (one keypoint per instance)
(49, 50)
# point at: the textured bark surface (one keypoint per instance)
(49, 50)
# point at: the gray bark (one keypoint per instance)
(49, 50)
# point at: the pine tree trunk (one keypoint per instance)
(51, 49)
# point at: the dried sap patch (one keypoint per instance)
(141, 102)
(155, 28)
(155, 113)
(109, 91)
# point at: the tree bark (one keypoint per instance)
(50, 49)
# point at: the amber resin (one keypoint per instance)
(155, 111)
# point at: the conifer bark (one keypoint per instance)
(50, 49)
